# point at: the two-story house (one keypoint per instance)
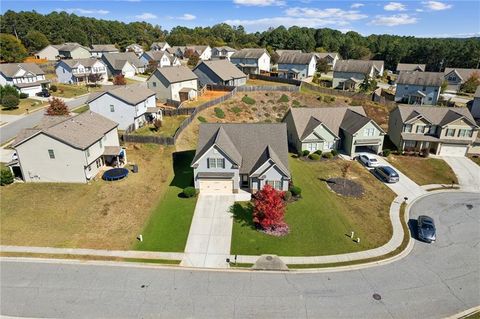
(410, 67)
(455, 77)
(219, 72)
(333, 128)
(330, 57)
(77, 71)
(73, 51)
(126, 105)
(126, 63)
(163, 58)
(251, 61)
(67, 149)
(177, 83)
(296, 65)
(50, 52)
(422, 88)
(230, 157)
(159, 46)
(437, 130)
(348, 74)
(97, 50)
(28, 78)
(223, 52)
(135, 48)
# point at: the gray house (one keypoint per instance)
(126, 63)
(98, 50)
(295, 65)
(348, 74)
(230, 157)
(455, 77)
(251, 61)
(418, 87)
(219, 72)
(333, 128)
(474, 106)
(73, 51)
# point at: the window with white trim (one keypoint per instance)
(216, 162)
(450, 132)
(112, 108)
(407, 128)
(51, 154)
(420, 128)
(275, 184)
(465, 133)
(369, 131)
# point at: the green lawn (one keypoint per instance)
(73, 90)
(424, 171)
(169, 224)
(23, 106)
(475, 159)
(256, 82)
(81, 109)
(170, 125)
(320, 221)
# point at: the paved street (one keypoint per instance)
(9, 131)
(433, 281)
(468, 173)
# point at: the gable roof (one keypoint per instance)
(10, 69)
(197, 48)
(174, 74)
(70, 46)
(295, 58)
(347, 118)
(157, 55)
(73, 63)
(251, 144)
(79, 131)
(226, 48)
(104, 47)
(224, 69)
(130, 94)
(463, 73)
(249, 54)
(410, 67)
(436, 115)
(158, 44)
(117, 60)
(280, 52)
(322, 55)
(420, 78)
(357, 66)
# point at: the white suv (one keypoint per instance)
(368, 160)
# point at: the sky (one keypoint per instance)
(418, 18)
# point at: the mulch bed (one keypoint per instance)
(345, 187)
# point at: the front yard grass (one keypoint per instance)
(256, 82)
(424, 171)
(99, 215)
(475, 159)
(170, 125)
(73, 90)
(320, 223)
(24, 105)
(169, 224)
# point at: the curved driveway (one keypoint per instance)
(433, 281)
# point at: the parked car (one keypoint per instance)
(387, 174)
(426, 229)
(368, 160)
(44, 93)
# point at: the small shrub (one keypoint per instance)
(306, 152)
(10, 102)
(219, 113)
(386, 152)
(189, 191)
(287, 196)
(295, 190)
(319, 98)
(328, 155)
(334, 152)
(267, 114)
(23, 95)
(254, 109)
(236, 110)
(332, 99)
(268, 121)
(283, 98)
(157, 124)
(295, 103)
(248, 100)
(6, 177)
(318, 152)
(202, 119)
(299, 154)
(274, 108)
(314, 157)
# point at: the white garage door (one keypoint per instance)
(453, 150)
(216, 186)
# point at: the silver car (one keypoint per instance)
(368, 160)
(426, 229)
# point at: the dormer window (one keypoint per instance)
(407, 128)
(216, 162)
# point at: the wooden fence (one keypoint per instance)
(162, 140)
(277, 88)
(274, 79)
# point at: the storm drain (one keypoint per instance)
(377, 296)
(469, 206)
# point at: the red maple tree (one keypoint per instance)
(57, 107)
(269, 208)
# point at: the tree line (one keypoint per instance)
(35, 30)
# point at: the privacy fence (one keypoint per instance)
(274, 79)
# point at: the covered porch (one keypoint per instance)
(114, 156)
(289, 74)
(416, 98)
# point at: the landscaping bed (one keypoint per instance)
(424, 171)
(320, 222)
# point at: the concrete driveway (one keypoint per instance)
(468, 173)
(209, 238)
(434, 281)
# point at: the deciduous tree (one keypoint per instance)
(322, 66)
(269, 208)
(11, 49)
(119, 79)
(35, 41)
(94, 78)
(471, 83)
(57, 107)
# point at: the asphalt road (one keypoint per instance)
(9, 131)
(433, 281)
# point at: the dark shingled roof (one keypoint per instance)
(420, 78)
(463, 73)
(223, 69)
(436, 115)
(295, 58)
(357, 66)
(248, 144)
(248, 54)
(117, 60)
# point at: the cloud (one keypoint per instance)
(259, 3)
(394, 6)
(390, 21)
(85, 11)
(356, 5)
(436, 5)
(187, 16)
(146, 16)
(419, 10)
(303, 17)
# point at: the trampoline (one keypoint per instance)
(115, 174)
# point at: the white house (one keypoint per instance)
(223, 52)
(28, 78)
(135, 48)
(126, 63)
(67, 149)
(163, 58)
(176, 83)
(159, 46)
(77, 71)
(204, 52)
(251, 61)
(98, 50)
(127, 105)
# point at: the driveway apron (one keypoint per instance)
(468, 173)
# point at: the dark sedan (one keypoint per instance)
(426, 229)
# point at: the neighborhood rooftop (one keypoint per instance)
(357, 66)
(175, 74)
(463, 73)
(117, 60)
(131, 94)
(224, 69)
(295, 58)
(249, 53)
(434, 114)
(11, 69)
(420, 78)
(104, 47)
(410, 67)
(87, 62)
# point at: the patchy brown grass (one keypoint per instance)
(101, 215)
(207, 96)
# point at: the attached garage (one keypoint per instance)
(216, 186)
(453, 150)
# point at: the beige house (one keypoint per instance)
(177, 83)
(455, 77)
(440, 130)
(67, 149)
